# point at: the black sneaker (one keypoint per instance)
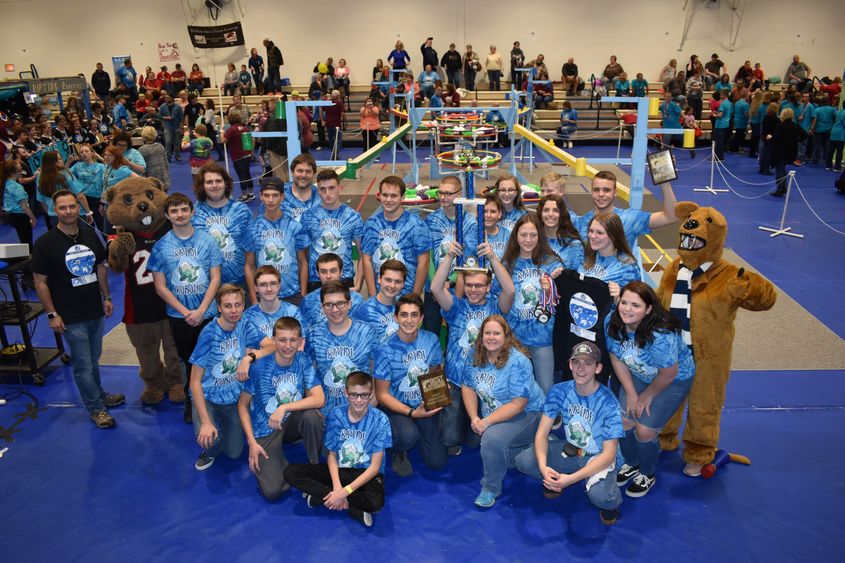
(455, 450)
(401, 464)
(609, 517)
(113, 399)
(204, 461)
(626, 473)
(102, 419)
(312, 501)
(640, 486)
(363, 517)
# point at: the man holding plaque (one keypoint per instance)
(464, 316)
(636, 222)
(398, 364)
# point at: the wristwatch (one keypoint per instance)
(410, 413)
(52, 315)
(251, 355)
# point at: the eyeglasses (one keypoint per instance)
(475, 285)
(267, 285)
(365, 396)
(336, 305)
(441, 193)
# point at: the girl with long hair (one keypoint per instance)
(655, 369)
(54, 177)
(503, 402)
(532, 265)
(507, 188)
(561, 233)
(15, 202)
(607, 255)
(495, 235)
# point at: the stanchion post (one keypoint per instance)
(619, 142)
(784, 230)
(709, 188)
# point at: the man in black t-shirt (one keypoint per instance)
(68, 264)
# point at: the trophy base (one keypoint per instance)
(471, 270)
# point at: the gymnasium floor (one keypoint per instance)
(71, 492)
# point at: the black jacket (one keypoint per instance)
(786, 141)
(429, 56)
(451, 60)
(101, 82)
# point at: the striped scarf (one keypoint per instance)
(682, 297)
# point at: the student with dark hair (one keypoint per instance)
(357, 436)
(655, 369)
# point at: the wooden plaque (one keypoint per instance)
(435, 389)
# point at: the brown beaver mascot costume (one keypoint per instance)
(136, 207)
(705, 291)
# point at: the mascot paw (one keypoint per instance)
(176, 394)
(669, 443)
(739, 286)
(152, 396)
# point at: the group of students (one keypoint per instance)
(296, 364)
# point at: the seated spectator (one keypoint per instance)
(195, 80)
(451, 98)
(543, 92)
(569, 76)
(744, 73)
(568, 123)
(244, 81)
(798, 73)
(141, 105)
(669, 71)
(759, 77)
(723, 84)
(677, 85)
(326, 69)
(427, 78)
(230, 81)
(713, 70)
(611, 71)
(639, 86)
(341, 78)
(177, 79)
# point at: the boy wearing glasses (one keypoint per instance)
(331, 226)
(338, 346)
(329, 267)
(269, 308)
(398, 364)
(395, 234)
(464, 316)
(279, 404)
(356, 437)
(276, 240)
(592, 422)
(441, 227)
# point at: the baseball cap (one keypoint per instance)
(588, 349)
(272, 183)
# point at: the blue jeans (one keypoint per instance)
(230, 434)
(644, 454)
(501, 443)
(469, 77)
(493, 79)
(274, 79)
(85, 340)
(604, 494)
(820, 145)
(721, 135)
(425, 432)
(543, 360)
(454, 422)
(454, 77)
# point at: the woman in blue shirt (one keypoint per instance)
(568, 123)
(54, 177)
(494, 234)
(532, 265)
(503, 402)
(507, 188)
(14, 198)
(89, 174)
(117, 168)
(607, 255)
(655, 369)
(398, 57)
(561, 234)
(837, 142)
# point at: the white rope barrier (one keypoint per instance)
(725, 180)
(766, 183)
(813, 211)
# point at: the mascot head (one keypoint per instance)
(136, 204)
(702, 234)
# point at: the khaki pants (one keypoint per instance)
(279, 164)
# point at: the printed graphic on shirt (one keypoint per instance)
(342, 365)
(189, 277)
(470, 335)
(597, 271)
(79, 260)
(629, 354)
(484, 382)
(286, 391)
(585, 314)
(579, 427)
(528, 292)
(224, 373)
(417, 366)
(351, 453)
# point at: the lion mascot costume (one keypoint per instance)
(136, 207)
(705, 291)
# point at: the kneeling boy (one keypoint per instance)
(280, 404)
(356, 437)
(593, 426)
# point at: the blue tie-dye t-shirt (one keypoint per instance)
(331, 230)
(498, 386)
(275, 243)
(335, 357)
(355, 443)
(219, 352)
(666, 350)
(227, 225)
(403, 239)
(402, 363)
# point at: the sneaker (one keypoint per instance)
(311, 501)
(102, 419)
(113, 399)
(626, 473)
(798, 163)
(609, 517)
(364, 517)
(204, 461)
(485, 499)
(244, 198)
(250, 196)
(401, 464)
(640, 486)
(455, 450)
(692, 470)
